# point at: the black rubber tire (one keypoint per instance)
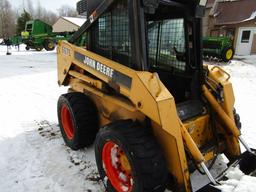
(84, 117)
(224, 53)
(47, 45)
(27, 48)
(143, 153)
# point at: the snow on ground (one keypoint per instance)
(237, 182)
(243, 77)
(33, 156)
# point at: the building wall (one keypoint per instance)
(230, 30)
(206, 22)
(254, 45)
(245, 24)
(63, 25)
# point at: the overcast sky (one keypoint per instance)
(52, 5)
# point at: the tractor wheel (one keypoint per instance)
(78, 120)
(27, 48)
(227, 54)
(49, 45)
(39, 48)
(129, 159)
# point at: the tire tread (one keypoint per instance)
(85, 116)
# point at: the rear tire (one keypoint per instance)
(27, 48)
(140, 164)
(227, 54)
(78, 120)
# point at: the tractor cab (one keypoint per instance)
(174, 49)
(36, 27)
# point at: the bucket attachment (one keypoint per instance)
(247, 164)
(209, 188)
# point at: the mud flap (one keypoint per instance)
(247, 164)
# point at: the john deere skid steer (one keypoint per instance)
(139, 91)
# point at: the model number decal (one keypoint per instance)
(66, 51)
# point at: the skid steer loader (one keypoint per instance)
(139, 91)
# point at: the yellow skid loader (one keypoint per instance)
(139, 91)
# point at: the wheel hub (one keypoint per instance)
(50, 45)
(229, 54)
(125, 165)
(117, 167)
(67, 123)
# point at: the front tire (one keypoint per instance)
(49, 45)
(129, 159)
(78, 120)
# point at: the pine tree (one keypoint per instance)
(21, 21)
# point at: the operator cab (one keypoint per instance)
(157, 36)
(171, 41)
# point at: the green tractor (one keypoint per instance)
(16, 40)
(220, 47)
(38, 35)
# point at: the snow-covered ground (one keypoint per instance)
(238, 182)
(243, 77)
(33, 156)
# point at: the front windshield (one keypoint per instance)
(166, 44)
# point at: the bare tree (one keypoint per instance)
(50, 17)
(7, 19)
(67, 11)
(30, 7)
(44, 15)
(39, 10)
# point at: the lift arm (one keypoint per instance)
(92, 18)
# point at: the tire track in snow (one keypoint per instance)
(77, 159)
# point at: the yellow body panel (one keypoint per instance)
(143, 96)
(225, 108)
(198, 128)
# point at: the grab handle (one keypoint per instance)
(223, 71)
